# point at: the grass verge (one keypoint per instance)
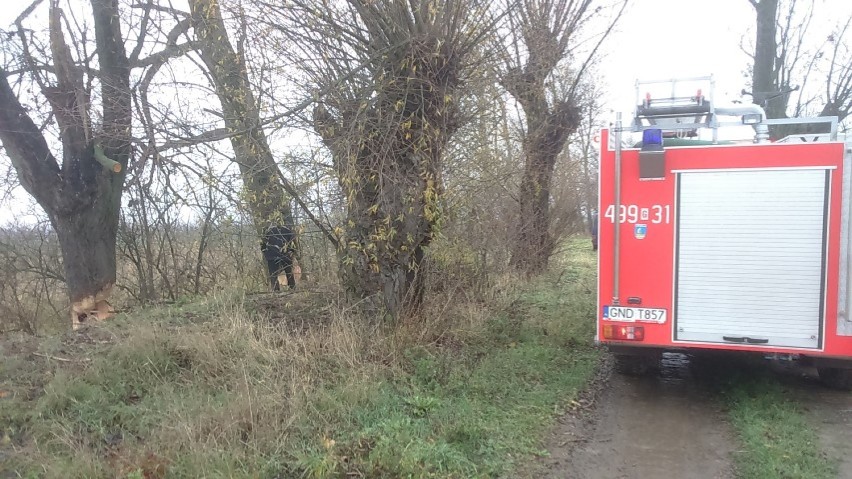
(230, 387)
(776, 440)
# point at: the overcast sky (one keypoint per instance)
(659, 39)
(662, 39)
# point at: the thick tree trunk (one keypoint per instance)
(547, 132)
(87, 239)
(765, 68)
(767, 78)
(384, 248)
(385, 283)
(534, 245)
(267, 200)
(389, 168)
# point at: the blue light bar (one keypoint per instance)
(652, 137)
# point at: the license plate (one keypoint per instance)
(645, 315)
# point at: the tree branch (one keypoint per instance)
(594, 50)
(115, 81)
(206, 137)
(68, 97)
(172, 50)
(160, 8)
(143, 32)
(106, 161)
(291, 190)
(25, 45)
(38, 170)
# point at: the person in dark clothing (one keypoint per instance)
(277, 247)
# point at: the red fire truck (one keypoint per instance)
(710, 245)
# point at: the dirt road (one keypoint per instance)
(670, 425)
(658, 426)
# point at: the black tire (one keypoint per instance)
(836, 378)
(630, 365)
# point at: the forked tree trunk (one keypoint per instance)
(82, 196)
(545, 29)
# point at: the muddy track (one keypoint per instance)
(672, 425)
(656, 426)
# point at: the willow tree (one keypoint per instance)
(387, 75)
(542, 37)
(80, 189)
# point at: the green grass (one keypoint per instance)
(214, 389)
(776, 440)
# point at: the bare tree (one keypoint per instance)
(785, 62)
(542, 36)
(82, 193)
(388, 75)
(267, 200)
(240, 88)
(30, 277)
(584, 148)
(766, 68)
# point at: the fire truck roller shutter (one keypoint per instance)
(750, 259)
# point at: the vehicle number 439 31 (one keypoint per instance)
(655, 214)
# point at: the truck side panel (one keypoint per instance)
(649, 231)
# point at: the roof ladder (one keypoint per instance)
(676, 114)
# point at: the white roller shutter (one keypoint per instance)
(750, 256)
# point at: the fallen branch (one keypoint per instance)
(64, 360)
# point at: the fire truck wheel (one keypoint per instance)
(836, 378)
(630, 365)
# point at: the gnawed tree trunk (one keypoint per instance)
(87, 239)
(267, 199)
(82, 197)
